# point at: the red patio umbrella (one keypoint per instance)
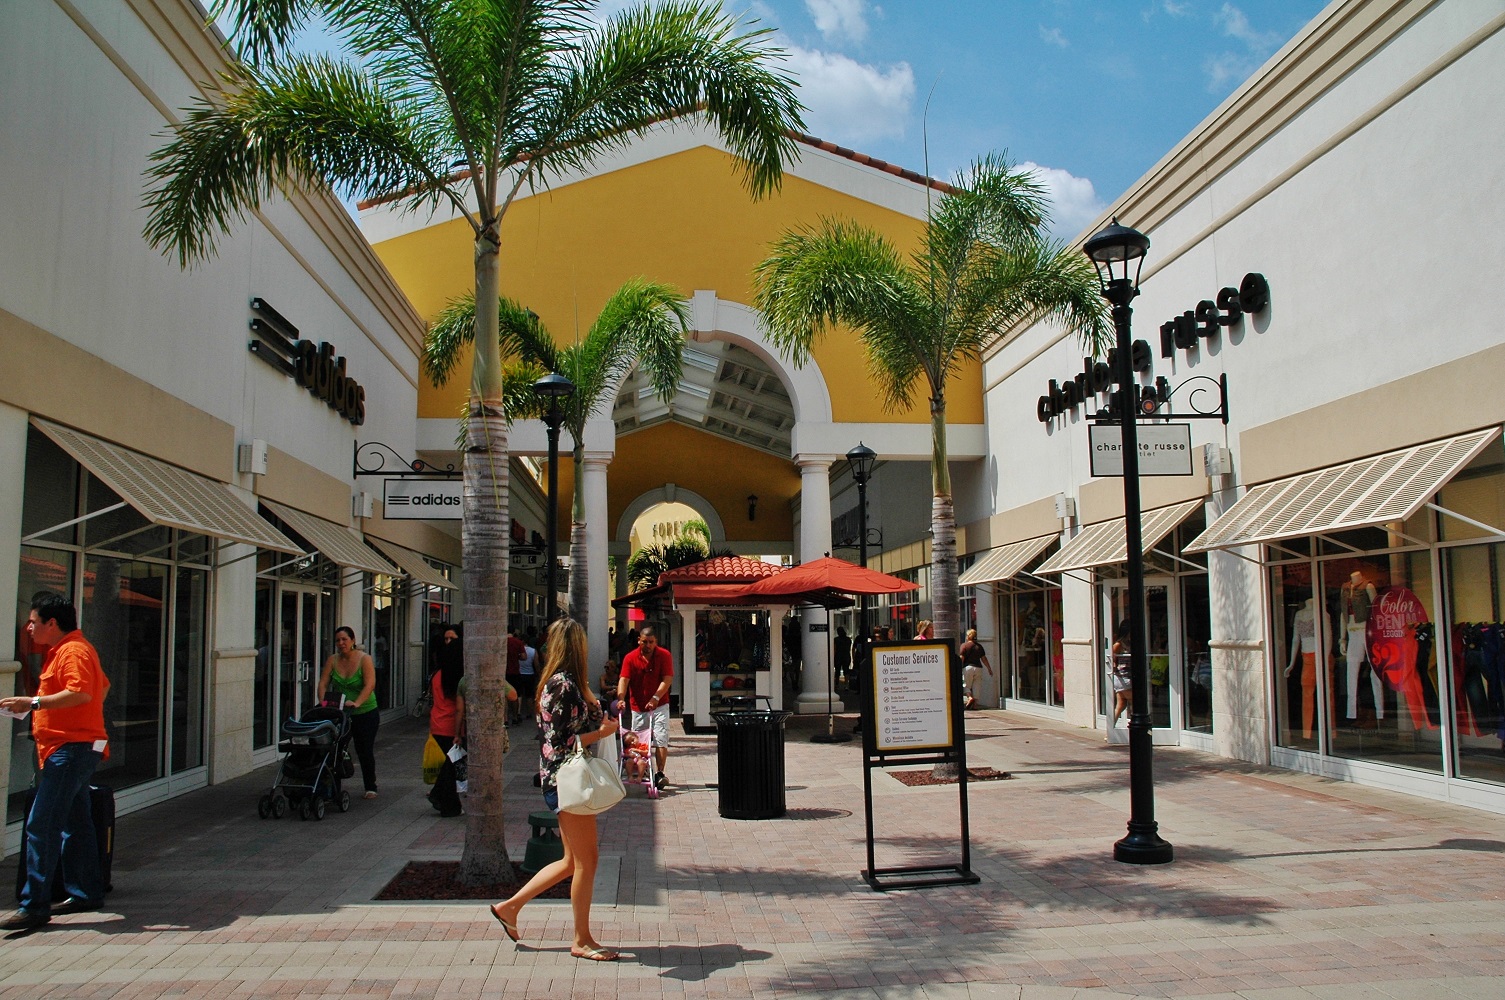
(826, 575)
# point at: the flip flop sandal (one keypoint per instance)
(511, 929)
(594, 954)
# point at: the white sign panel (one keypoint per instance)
(421, 499)
(911, 696)
(1164, 449)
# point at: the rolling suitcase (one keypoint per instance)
(102, 806)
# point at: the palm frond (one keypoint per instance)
(652, 62)
(816, 278)
(303, 121)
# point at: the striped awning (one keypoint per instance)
(167, 495)
(412, 563)
(1107, 542)
(1005, 562)
(1379, 490)
(335, 542)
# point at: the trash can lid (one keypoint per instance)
(750, 717)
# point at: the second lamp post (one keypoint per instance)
(553, 387)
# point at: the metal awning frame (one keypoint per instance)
(70, 523)
(1495, 535)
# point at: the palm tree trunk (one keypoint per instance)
(943, 610)
(486, 550)
(579, 580)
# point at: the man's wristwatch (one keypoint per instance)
(36, 703)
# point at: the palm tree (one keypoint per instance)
(461, 105)
(983, 265)
(642, 325)
(649, 562)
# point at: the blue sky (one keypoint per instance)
(1091, 93)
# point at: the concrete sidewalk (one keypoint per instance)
(1284, 886)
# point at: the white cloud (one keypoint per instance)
(1053, 36)
(1074, 203)
(1226, 69)
(1235, 24)
(851, 102)
(839, 19)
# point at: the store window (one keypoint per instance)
(1178, 629)
(1474, 638)
(1355, 667)
(143, 594)
(732, 647)
(384, 635)
(1036, 666)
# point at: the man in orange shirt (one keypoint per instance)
(69, 729)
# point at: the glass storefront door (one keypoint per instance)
(297, 662)
(1163, 632)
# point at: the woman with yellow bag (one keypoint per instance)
(447, 721)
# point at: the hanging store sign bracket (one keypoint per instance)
(372, 459)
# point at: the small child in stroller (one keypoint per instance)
(635, 754)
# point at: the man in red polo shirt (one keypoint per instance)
(69, 728)
(647, 673)
(516, 650)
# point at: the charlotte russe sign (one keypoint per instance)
(1183, 332)
(1164, 449)
(421, 499)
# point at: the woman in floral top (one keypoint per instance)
(570, 716)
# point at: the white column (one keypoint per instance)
(815, 694)
(988, 687)
(597, 533)
(12, 488)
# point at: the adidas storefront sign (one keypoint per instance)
(422, 499)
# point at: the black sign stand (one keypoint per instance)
(954, 751)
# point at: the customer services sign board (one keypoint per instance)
(912, 696)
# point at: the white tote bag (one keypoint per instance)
(587, 785)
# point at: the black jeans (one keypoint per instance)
(444, 797)
(363, 734)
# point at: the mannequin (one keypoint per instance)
(1356, 601)
(1304, 648)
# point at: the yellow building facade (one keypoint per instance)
(745, 423)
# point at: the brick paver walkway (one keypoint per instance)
(1284, 886)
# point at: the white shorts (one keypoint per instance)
(658, 719)
(969, 678)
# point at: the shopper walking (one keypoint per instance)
(570, 716)
(647, 673)
(974, 661)
(68, 726)
(446, 718)
(351, 673)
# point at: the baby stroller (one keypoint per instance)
(636, 754)
(315, 761)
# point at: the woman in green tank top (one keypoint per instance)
(351, 673)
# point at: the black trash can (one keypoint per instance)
(750, 763)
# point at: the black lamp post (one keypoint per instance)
(862, 458)
(1118, 254)
(553, 387)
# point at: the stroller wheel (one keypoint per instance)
(318, 808)
(344, 802)
(305, 810)
(264, 806)
(652, 792)
(279, 805)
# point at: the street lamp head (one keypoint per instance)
(752, 506)
(1118, 254)
(554, 386)
(862, 458)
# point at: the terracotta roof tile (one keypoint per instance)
(720, 569)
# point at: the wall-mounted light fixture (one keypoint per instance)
(752, 506)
